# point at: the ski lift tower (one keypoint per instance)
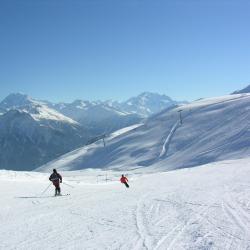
(103, 139)
(180, 115)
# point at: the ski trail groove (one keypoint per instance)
(198, 218)
(165, 237)
(239, 217)
(234, 220)
(140, 226)
(168, 140)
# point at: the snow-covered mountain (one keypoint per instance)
(99, 117)
(147, 104)
(31, 133)
(245, 90)
(108, 116)
(212, 129)
(39, 110)
(143, 105)
(39, 123)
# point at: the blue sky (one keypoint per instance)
(102, 49)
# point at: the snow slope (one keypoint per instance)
(213, 129)
(73, 160)
(206, 207)
(245, 90)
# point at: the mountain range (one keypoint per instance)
(201, 132)
(33, 132)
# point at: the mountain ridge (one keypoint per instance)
(211, 129)
(34, 132)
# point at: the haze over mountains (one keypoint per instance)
(34, 132)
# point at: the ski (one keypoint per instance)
(61, 195)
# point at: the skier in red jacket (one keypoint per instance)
(124, 180)
(56, 179)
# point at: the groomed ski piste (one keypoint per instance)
(206, 207)
(175, 201)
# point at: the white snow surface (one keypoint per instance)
(213, 129)
(214, 100)
(206, 207)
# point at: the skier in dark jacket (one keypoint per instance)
(56, 179)
(124, 180)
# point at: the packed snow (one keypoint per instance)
(206, 207)
(215, 100)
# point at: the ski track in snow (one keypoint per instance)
(200, 208)
(238, 217)
(168, 140)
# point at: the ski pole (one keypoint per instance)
(46, 189)
(67, 184)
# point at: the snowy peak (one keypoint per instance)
(100, 117)
(79, 104)
(112, 103)
(39, 110)
(147, 98)
(27, 141)
(15, 100)
(32, 133)
(147, 104)
(143, 105)
(151, 95)
(80, 110)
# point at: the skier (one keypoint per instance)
(56, 179)
(124, 180)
